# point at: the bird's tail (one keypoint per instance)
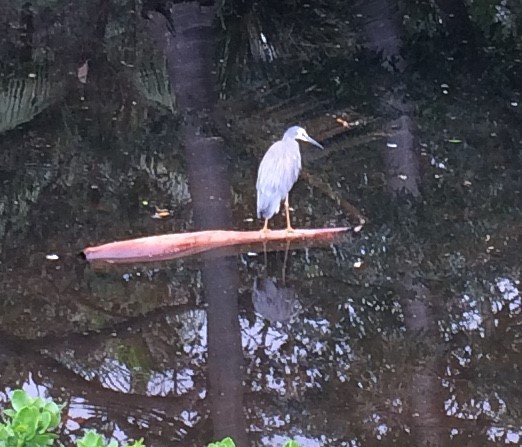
(267, 206)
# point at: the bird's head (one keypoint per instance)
(298, 133)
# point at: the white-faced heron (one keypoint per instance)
(278, 171)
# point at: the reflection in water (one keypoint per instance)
(418, 343)
(276, 303)
(273, 302)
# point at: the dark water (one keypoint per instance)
(407, 332)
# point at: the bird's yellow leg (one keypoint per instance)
(287, 209)
(265, 227)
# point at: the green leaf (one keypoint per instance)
(113, 443)
(38, 402)
(43, 440)
(91, 439)
(138, 443)
(6, 432)
(227, 442)
(55, 413)
(291, 443)
(20, 399)
(24, 423)
(44, 422)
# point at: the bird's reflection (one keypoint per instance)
(274, 302)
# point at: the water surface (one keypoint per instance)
(404, 333)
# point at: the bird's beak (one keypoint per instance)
(310, 140)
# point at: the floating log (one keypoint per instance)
(171, 246)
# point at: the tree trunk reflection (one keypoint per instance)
(190, 57)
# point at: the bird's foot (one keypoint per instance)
(289, 229)
(265, 229)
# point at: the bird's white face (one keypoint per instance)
(302, 135)
(297, 133)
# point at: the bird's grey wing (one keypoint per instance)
(277, 173)
(268, 197)
(287, 169)
(279, 168)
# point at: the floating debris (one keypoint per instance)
(83, 71)
(161, 213)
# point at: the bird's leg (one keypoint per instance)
(265, 227)
(287, 209)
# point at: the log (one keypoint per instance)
(172, 246)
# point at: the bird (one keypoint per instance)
(278, 172)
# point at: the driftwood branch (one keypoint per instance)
(171, 246)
